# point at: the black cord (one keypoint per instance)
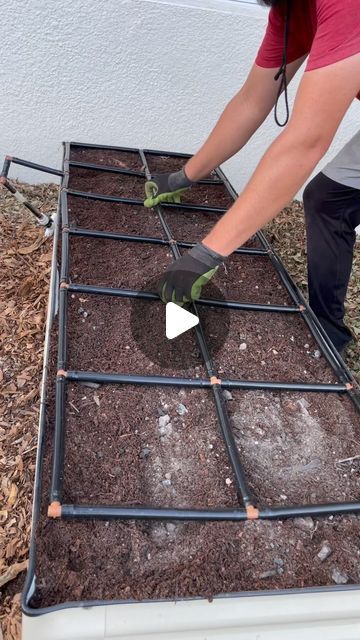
(282, 71)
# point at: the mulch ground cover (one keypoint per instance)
(116, 451)
(24, 283)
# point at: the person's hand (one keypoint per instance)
(166, 187)
(183, 280)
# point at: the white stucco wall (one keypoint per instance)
(151, 73)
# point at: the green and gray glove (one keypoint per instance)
(166, 187)
(183, 280)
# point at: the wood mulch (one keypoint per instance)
(24, 281)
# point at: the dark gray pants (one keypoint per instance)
(332, 211)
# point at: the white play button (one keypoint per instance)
(178, 320)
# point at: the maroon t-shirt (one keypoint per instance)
(326, 30)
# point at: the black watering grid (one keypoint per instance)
(345, 385)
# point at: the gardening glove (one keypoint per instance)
(183, 280)
(166, 187)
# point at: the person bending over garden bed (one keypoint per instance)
(328, 31)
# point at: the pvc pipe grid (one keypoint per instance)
(346, 384)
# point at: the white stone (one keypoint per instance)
(164, 420)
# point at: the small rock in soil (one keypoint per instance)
(181, 409)
(145, 452)
(227, 394)
(317, 354)
(305, 524)
(170, 527)
(166, 430)
(243, 346)
(168, 476)
(268, 574)
(279, 566)
(304, 403)
(313, 465)
(324, 552)
(339, 577)
(92, 385)
(164, 420)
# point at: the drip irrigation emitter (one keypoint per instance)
(249, 510)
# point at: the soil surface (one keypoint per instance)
(114, 217)
(91, 317)
(266, 346)
(108, 157)
(192, 226)
(116, 184)
(131, 266)
(122, 449)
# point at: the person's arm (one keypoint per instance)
(322, 100)
(240, 119)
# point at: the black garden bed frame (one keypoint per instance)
(345, 384)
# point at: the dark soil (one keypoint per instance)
(266, 346)
(115, 184)
(247, 278)
(193, 226)
(90, 317)
(108, 157)
(108, 263)
(165, 164)
(110, 184)
(293, 446)
(114, 216)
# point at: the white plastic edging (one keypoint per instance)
(315, 616)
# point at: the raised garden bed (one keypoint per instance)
(296, 446)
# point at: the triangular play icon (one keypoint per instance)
(178, 320)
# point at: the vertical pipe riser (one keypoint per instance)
(58, 455)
